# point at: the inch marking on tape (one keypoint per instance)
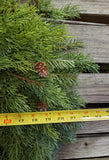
(27, 118)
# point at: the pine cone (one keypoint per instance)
(42, 106)
(41, 68)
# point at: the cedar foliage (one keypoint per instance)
(46, 8)
(36, 73)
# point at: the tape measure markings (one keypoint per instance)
(10, 119)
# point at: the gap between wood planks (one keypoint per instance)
(97, 105)
(104, 67)
(92, 135)
(95, 18)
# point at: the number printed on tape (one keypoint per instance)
(28, 118)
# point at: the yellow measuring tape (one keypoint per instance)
(27, 118)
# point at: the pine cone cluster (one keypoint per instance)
(41, 68)
(42, 106)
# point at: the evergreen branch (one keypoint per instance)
(63, 75)
(26, 79)
(60, 64)
(49, 11)
(67, 80)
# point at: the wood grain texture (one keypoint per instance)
(85, 148)
(96, 39)
(94, 87)
(94, 127)
(89, 6)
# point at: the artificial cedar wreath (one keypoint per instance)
(36, 73)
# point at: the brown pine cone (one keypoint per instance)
(41, 68)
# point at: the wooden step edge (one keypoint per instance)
(74, 22)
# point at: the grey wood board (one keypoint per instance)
(88, 6)
(86, 147)
(95, 38)
(90, 79)
(94, 127)
(96, 99)
(94, 88)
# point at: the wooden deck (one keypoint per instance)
(93, 139)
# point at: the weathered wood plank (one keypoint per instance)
(96, 39)
(96, 99)
(94, 87)
(93, 79)
(89, 6)
(94, 127)
(86, 147)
